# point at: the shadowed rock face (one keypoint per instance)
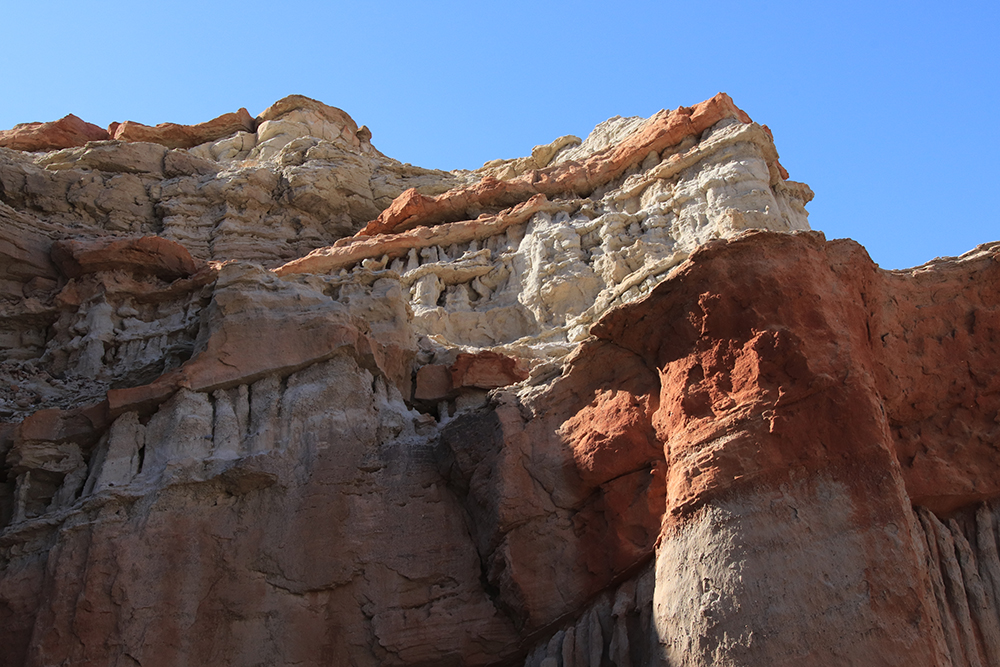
(278, 399)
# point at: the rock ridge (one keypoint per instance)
(268, 396)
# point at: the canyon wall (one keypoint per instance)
(271, 397)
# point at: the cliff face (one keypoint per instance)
(272, 397)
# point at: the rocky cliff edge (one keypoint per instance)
(272, 397)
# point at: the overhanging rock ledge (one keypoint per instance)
(271, 397)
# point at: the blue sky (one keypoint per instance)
(887, 109)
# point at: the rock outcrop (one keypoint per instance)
(66, 132)
(173, 135)
(271, 397)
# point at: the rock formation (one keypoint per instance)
(271, 397)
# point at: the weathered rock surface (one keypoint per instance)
(274, 398)
(66, 132)
(173, 135)
(143, 255)
(269, 189)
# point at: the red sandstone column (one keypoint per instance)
(788, 537)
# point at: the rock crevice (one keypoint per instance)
(271, 397)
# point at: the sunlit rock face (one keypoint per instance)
(271, 397)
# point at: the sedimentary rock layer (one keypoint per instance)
(299, 176)
(66, 132)
(609, 404)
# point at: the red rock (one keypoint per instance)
(742, 467)
(70, 131)
(151, 255)
(173, 135)
(613, 435)
(740, 403)
(409, 206)
(433, 383)
(481, 370)
(349, 251)
(734, 418)
(146, 397)
(781, 170)
(66, 132)
(75, 425)
(486, 370)
(902, 337)
(789, 383)
(661, 131)
(581, 447)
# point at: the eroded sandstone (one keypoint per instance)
(275, 398)
(66, 132)
(173, 135)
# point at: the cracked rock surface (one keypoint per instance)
(271, 397)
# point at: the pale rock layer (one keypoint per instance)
(274, 398)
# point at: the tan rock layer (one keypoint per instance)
(755, 396)
(293, 102)
(665, 129)
(233, 356)
(963, 565)
(758, 427)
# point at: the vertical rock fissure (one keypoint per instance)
(964, 570)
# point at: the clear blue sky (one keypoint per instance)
(887, 109)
